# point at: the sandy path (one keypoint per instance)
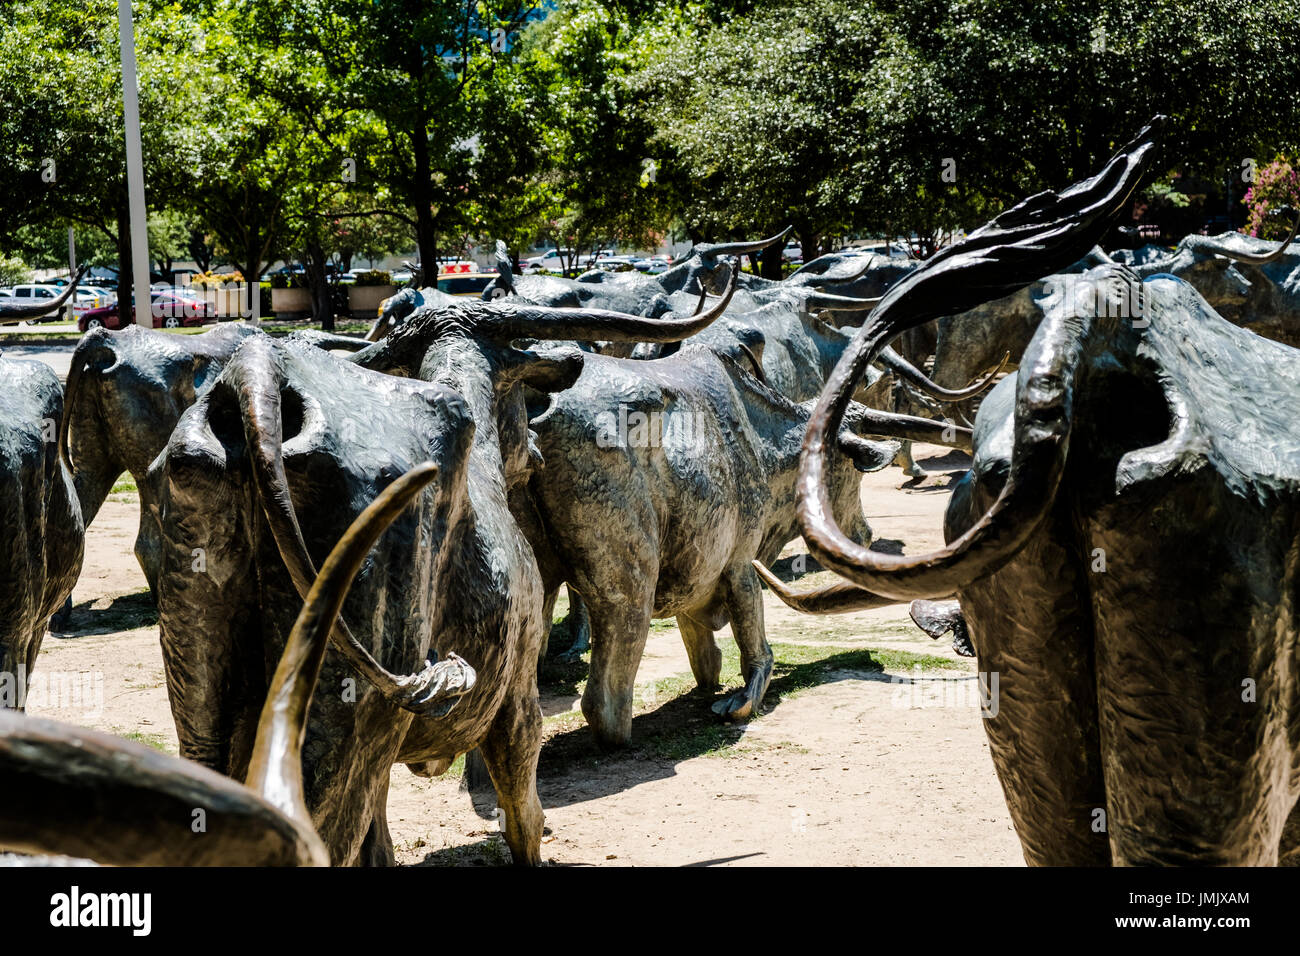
(866, 767)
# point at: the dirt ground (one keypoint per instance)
(869, 749)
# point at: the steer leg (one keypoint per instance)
(619, 633)
(905, 461)
(703, 652)
(510, 750)
(744, 600)
(579, 627)
(377, 846)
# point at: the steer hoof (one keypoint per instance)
(573, 655)
(743, 704)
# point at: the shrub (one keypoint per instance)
(281, 280)
(374, 277)
(212, 280)
(13, 271)
(1276, 185)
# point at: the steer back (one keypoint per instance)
(342, 434)
(44, 533)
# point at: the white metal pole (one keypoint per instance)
(134, 168)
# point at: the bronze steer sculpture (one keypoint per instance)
(1123, 549)
(664, 479)
(43, 528)
(80, 793)
(705, 269)
(286, 428)
(1250, 282)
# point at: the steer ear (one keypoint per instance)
(551, 371)
(868, 455)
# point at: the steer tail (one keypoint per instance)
(258, 380)
(275, 771)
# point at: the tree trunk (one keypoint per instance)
(251, 269)
(422, 194)
(771, 261)
(322, 294)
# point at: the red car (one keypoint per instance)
(169, 311)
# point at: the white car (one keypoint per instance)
(32, 293)
(553, 260)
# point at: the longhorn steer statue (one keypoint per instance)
(1250, 282)
(1122, 549)
(80, 793)
(664, 517)
(43, 530)
(705, 269)
(286, 427)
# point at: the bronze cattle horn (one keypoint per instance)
(1247, 258)
(1037, 237)
(715, 250)
(820, 278)
(838, 598)
(589, 325)
(78, 792)
(433, 691)
(914, 376)
(830, 302)
(8, 311)
(275, 771)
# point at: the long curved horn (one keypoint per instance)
(430, 693)
(830, 302)
(1037, 237)
(821, 278)
(275, 771)
(715, 250)
(833, 599)
(8, 311)
(1250, 259)
(881, 424)
(915, 377)
(584, 325)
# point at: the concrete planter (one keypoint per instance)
(290, 301)
(363, 300)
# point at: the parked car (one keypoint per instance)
(613, 263)
(31, 293)
(553, 260)
(170, 310)
(471, 283)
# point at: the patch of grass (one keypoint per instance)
(125, 484)
(156, 741)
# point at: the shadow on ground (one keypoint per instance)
(125, 612)
(676, 730)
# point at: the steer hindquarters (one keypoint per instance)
(1196, 670)
(1032, 631)
(39, 517)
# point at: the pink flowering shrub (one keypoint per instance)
(1277, 184)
